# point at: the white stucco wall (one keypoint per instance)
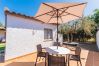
(23, 35)
(97, 39)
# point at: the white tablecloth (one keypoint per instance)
(60, 50)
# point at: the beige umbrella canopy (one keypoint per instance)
(60, 12)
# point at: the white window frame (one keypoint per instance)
(48, 34)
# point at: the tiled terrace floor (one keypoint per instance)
(30, 59)
(93, 56)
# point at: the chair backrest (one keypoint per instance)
(39, 48)
(55, 44)
(78, 51)
(56, 60)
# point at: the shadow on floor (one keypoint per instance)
(89, 46)
(25, 64)
(1, 58)
(93, 55)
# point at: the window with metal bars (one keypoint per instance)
(48, 33)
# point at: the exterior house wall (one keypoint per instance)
(22, 36)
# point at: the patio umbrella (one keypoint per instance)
(58, 13)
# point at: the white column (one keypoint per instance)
(97, 39)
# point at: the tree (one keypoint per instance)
(1, 25)
(95, 16)
(86, 27)
(78, 29)
(65, 29)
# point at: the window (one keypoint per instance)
(48, 33)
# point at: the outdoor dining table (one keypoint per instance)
(60, 50)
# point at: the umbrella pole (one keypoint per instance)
(57, 29)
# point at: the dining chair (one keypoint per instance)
(55, 44)
(76, 56)
(40, 53)
(56, 60)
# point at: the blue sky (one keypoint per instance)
(30, 7)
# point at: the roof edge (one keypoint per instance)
(24, 16)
